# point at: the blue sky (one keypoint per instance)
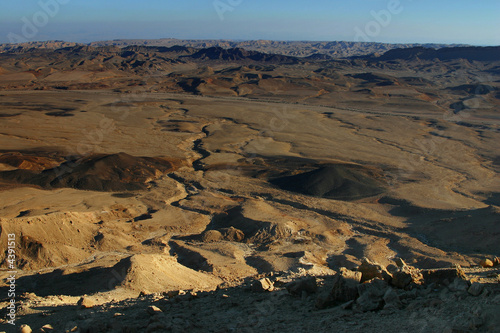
(419, 21)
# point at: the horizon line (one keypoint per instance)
(249, 40)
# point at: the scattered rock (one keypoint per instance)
(90, 326)
(309, 285)
(86, 303)
(144, 293)
(486, 263)
(348, 305)
(157, 327)
(391, 299)
(46, 328)
(171, 293)
(443, 276)
(371, 295)
(401, 279)
(230, 234)
(211, 236)
(404, 275)
(496, 261)
(476, 289)
(392, 268)
(263, 285)
(345, 289)
(152, 310)
(458, 285)
(25, 329)
(400, 263)
(371, 270)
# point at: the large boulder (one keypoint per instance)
(443, 276)
(211, 236)
(496, 261)
(476, 289)
(345, 289)
(403, 276)
(371, 295)
(263, 285)
(371, 270)
(486, 263)
(308, 285)
(391, 300)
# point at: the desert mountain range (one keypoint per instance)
(289, 48)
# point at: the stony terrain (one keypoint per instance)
(149, 170)
(290, 303)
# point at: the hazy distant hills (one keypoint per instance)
(53, 45)
(491, 53)
(436, 80)
(288, 48)
(335, 49)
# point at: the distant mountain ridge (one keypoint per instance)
(442, 80)
(219, 53)
(489, 53)
(334, 49)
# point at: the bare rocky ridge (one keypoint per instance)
(336, 49)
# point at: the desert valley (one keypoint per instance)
(204, 188)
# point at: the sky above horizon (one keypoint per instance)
(388, 21)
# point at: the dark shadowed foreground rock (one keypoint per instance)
(476, 289)
(391, 300)
(443, 276)
(404, 276)
(152, 310)
(308, 285)
(345, 289)
(263, 285)
(371, 270)
(371, 295)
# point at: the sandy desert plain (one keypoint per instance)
(174, 189)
